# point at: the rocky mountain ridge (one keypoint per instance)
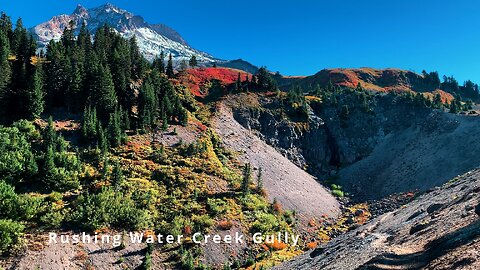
(394, 146)
(151, 38)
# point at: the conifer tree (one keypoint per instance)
(265, 81)
(6, 26)
(125, 119)
(74, 97)
(19, 40)
(68, 37)
(89, 125)
(164, 122)
(147, 105)
(183, 117)
(238, 83)
(183, 65)
(247, 178)
(317, 91)
(260, 180)
(330, 86)
(193, 61)
(5, 68)
(159, 64)
(115, 134)
(58, 72)
(102, 142)
(137, 60)
(50, 136)
(35, 95)
(437, 101)
(116, 178)
(169, 70)
(106, 167)
(49, 168)
(84, 41)
(104, 91)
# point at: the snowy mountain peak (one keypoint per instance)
(151, 38)
(80, 10)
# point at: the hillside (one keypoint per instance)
(373, 145)
(284, 181)
(384, 81)
(98, 141)
(200, 81)
(439, 230)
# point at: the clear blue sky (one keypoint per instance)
(304, 36)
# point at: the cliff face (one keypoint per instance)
(391, 147)
(290, 185)
(439, 230)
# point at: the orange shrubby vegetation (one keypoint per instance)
(312, 245)
(277, 207)
(225, 225)
(276, 245)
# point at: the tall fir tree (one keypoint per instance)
(6, 26)
(247, 178)
(5, 73)
(50, 136)
(90, 123)
(115, 133)
(137, 60)
(193, 61)
(147, 102)
(49, 168)
(102, 142)
(117, 177)
(169, 70)
(159, 63)
(104, 92)
(36, 94)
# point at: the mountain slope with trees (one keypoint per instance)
(388, 80)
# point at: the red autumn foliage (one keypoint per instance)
(277, 207)
(201, 127)
(225, 225)
(187, 230)
(197, 78)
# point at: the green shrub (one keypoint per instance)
(147, 262)
(17, 161)
(289, 217)
(30, 207)
(9, 202)
(254, 202)
(202, 222)
(249, 262)
(110, 208)
(28, 129)
(216, 206)
(53, 217)
(187, 262)
(264, 222)
(10, 233)
(338, 193)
